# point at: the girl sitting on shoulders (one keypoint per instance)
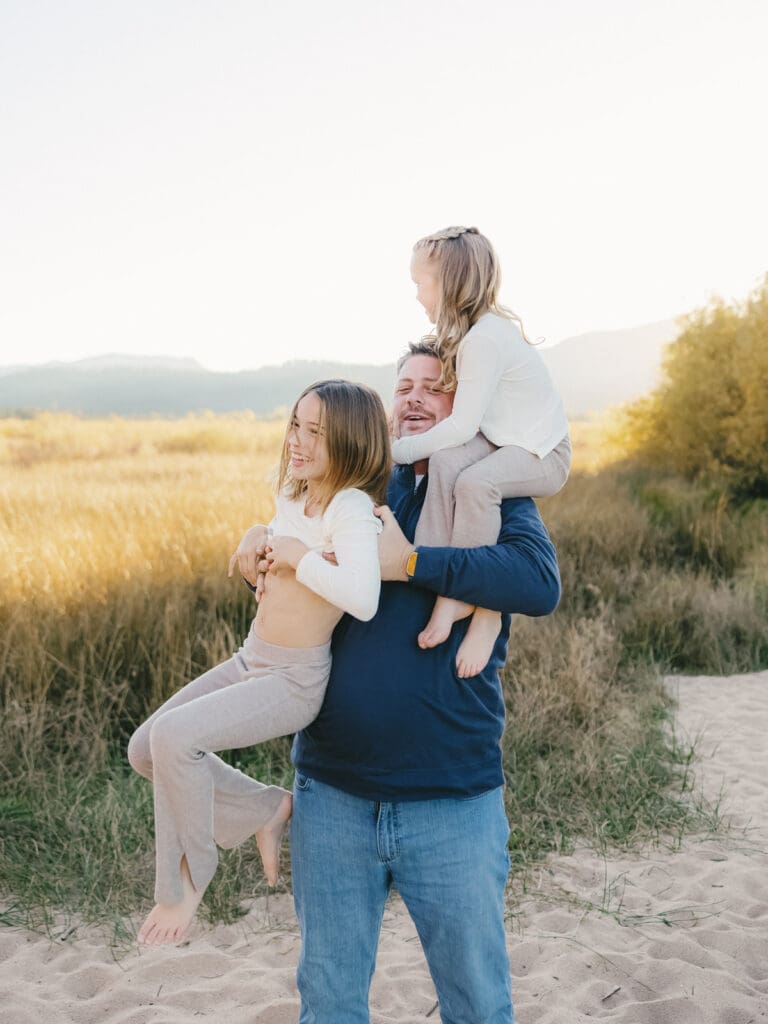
(507, 436)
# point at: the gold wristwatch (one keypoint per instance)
(410, 565)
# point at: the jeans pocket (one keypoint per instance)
(301, 782)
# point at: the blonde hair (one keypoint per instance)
(357, 438)
(469, 275)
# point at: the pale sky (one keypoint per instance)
(241, 181)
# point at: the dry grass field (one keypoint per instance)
(114, 542)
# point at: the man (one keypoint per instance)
(399, 779)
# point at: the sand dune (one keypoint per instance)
(666, 937)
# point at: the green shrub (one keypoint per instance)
(709, 416)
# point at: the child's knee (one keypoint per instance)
(565, 471)
(166, 740)
(139, 756)
(472, 488)
(554, 480)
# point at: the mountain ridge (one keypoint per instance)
(592, 371)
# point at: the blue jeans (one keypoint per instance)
(448, 860)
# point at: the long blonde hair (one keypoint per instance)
(469, 275)
(357, 438)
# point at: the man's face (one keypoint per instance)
(419, 404)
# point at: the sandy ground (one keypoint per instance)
(663, 938)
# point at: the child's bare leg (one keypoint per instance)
(167, 922)
(269, 837)
(444, 614)
(477, 646)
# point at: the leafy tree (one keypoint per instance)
(709, 415)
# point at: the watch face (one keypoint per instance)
(410, 565)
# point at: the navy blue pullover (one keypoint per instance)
(397, 723)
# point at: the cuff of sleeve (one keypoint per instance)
(429, 567)
(401, 451)
(304, 568)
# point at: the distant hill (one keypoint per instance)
(117, 360)
(604, 368)
(593, 371)
(167, 387)
(5, 371)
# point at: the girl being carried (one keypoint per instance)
(334, 469)
(507, 436)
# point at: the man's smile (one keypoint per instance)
(416, 417)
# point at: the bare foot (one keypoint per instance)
(477, 646)
(268, 839)
(167, 922)
(444, 614)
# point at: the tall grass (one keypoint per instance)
(114, 540)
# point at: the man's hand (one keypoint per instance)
(248, 553)
(394, 546)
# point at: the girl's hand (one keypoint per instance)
(249, 552)
(285, 551)
(263, 568)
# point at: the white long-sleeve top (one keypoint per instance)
(349, 528)
(504, 390)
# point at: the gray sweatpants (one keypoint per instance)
(262, 692)
(466, 484)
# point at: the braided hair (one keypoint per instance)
(468, 271)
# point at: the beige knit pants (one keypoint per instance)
(465, 487)
(262, 692)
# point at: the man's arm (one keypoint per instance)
(518, 574)
(479, 375)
